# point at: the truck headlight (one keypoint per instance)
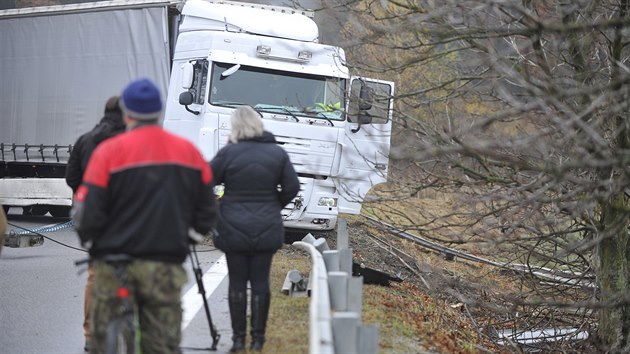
(327, 202)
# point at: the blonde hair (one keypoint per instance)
(246, 124)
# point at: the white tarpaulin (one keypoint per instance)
(57, 71)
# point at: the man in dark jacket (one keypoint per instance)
(142, 192)
(110, 125)
(259, 181)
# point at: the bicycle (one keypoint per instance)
(121, 331)
(121, 334)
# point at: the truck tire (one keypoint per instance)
(59, 211)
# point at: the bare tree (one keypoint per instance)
(514, 117)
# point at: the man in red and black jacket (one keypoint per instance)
(141, 194)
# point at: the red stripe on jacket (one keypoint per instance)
(143, 146)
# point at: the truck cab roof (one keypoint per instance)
(204, 15)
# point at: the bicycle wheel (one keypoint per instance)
(120, 337)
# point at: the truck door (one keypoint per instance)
(365, 145)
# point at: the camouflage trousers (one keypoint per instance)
(155, 291)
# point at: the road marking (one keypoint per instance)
(192, 301)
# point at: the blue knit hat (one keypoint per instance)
(141, 100)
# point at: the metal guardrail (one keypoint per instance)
(576, 279)
(336, 299)
(320, 325)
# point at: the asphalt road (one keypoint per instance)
(41, 295)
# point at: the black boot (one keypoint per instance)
(260, 310)
(238, 312)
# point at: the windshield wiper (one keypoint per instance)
(291, 113)
(283, 109)
(320, 114)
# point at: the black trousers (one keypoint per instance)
(253, 267)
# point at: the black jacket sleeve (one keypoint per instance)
(205, 211)
(90, 225)
(74, 172)
(217, 165)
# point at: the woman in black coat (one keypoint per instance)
(259, 181)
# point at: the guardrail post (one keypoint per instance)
(310, 239)
(368, 339)
(342, 234)
(345, 327)
(355, 295)
(331, 259)
(338, 286)
(321, 244)
(345, 260)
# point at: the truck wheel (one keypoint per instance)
(59, 211)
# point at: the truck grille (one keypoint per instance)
(294, 209)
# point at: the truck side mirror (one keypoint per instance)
(364, 118)
(186, 99)
(365, 100)
(188, 74)
(365, 97)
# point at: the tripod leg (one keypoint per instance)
(202, 290)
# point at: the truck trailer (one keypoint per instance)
(60, 63)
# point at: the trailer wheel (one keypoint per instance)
(59, 211)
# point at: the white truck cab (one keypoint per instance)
(336, 128)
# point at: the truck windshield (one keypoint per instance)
(276, 91)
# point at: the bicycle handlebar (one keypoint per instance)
(109, 259)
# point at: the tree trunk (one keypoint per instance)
(614, 251)
(614, 327)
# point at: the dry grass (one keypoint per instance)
(409, 320)
(287, 326)
(413, 322)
